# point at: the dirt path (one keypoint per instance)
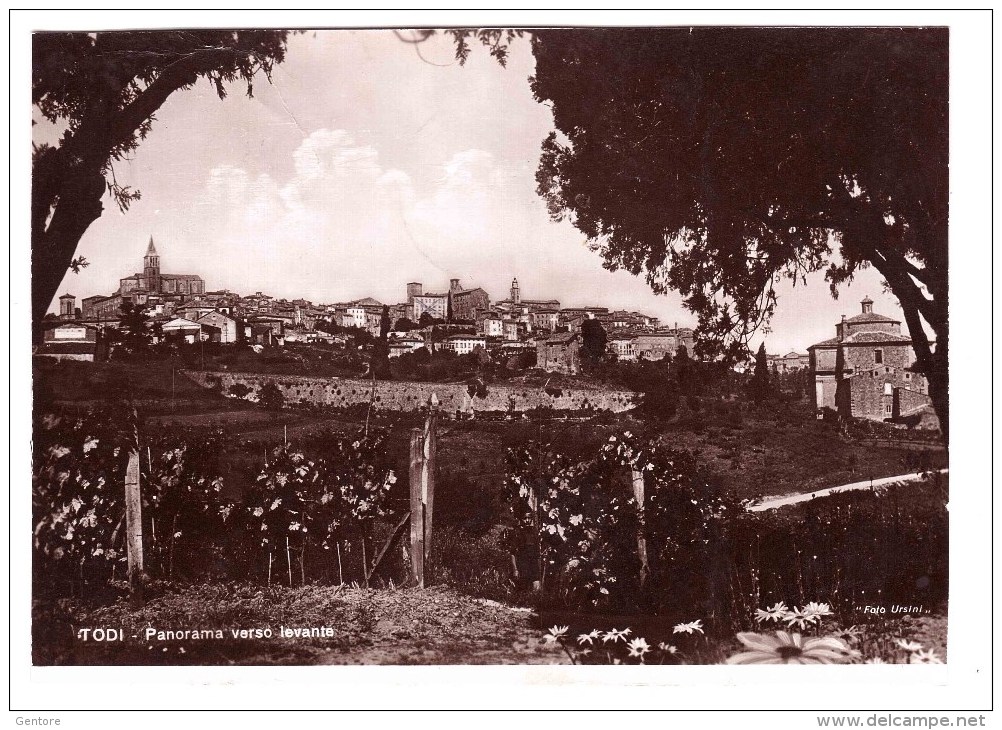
(783, 501)
(440, 626)
(436, 625)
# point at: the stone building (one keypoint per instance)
(789, 362)
(418, 302)
(466, 303)
(656, 345)
(100, 308)
(464, 344)
(152, 281)
(559, 353)
(65, 339)
(545, 320)
(623, 346)
(461, 303)
(867, 369)
(490, 324)
(229, 328)
(515, 307)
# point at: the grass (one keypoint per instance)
(437, 625)
(368, 626)
(766, 451)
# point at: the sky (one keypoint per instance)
(368, 163)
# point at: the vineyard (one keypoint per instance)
(616, 525)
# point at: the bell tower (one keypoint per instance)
(516, 298)
(151, 268)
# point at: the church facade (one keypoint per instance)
(867, 370)
(153, 281)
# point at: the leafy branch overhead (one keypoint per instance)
(103, 90)
(717, 161)
(495, 40)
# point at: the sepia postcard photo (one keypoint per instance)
(564, 345)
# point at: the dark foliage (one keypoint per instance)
(715, 160)
(270, 397)
(593, 338)
(760, 386)
(106, 88)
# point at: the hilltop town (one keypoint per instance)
(865, 371)
(180, 309)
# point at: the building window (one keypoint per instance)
(878, 356)
(887, 409)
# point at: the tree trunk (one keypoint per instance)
(932, 358)
(61, 214)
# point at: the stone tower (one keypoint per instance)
(67, 306)
(516, 298)
(151, 268)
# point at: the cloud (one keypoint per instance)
(342, 214)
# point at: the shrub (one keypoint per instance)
(270, 396)
(574, 518)
(77, 496)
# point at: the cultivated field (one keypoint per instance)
(261, 517)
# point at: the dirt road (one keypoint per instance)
(783, 501)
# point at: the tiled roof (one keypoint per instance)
(863, 338)
(871, 317)
(858, 338)
(825, 343)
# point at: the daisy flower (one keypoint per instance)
(785, 648)
(875, 660)
(665, 646)
(924, 657)
(851, 634)
(800, 618)
(908, 645)
(817, 610)
(689, 628)
(615, 635)
(555, 633)
(638, 647)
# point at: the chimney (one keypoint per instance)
(841, 329)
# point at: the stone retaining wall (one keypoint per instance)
(408, 396)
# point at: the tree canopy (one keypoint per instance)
(715, 161)
(104, 89)
(760, 386)
(593, 339)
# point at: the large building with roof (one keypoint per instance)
(867, 369)
(152, 281)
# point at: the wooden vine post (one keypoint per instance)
(422, 486)
(637, 479)
(537, 521)
(134, 521)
